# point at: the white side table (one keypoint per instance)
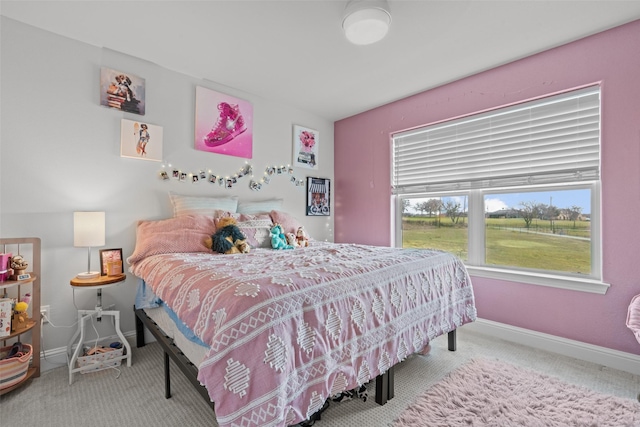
(99, 283)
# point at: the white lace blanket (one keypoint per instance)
(288, 329)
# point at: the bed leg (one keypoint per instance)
(390, 385)
(139, 330)
(167, 376)
(384, 387)
(452, 340)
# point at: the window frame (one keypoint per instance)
(411, 183)
(476, 239)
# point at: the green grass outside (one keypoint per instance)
(509, 243)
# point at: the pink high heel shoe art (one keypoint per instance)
(230, 124)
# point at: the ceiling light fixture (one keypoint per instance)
(366, 21)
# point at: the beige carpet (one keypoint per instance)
(492, 393)
(136, 397)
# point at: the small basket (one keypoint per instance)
(100, 361)
(14, 370)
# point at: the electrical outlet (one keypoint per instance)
(45, 310)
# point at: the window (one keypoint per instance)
(514, 192)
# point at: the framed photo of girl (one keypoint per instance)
(318, 196)
(140, 140)
(111, 262)
(305, 147)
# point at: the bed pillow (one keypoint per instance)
(199, 205)
(174, 235)
(255, 227)
(288, 222)
(263, 206)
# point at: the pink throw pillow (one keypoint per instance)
(174, 235)
(288, 222)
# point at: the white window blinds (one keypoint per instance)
(550, 140)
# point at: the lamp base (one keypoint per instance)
(88, 275)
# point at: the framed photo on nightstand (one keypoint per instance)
(111, 262)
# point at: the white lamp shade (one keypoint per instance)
(88, 229)
(366, 22)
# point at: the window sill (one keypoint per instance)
(562, 282)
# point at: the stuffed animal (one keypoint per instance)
(291, 240)
(228, 239)
(19, 318)
(301, 237)
(278, 239)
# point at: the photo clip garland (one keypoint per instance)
(229, 181)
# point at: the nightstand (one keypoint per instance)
(97, 284)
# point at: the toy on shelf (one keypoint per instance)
(20, 318)
(19, 266)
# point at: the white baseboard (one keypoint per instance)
(591, 353)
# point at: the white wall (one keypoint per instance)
(60, 153)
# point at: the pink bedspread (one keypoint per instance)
(288, 329)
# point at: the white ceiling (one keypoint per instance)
(294, 52)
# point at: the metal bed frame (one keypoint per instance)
(384, 382)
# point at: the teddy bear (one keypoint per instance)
(291, 240)
(301, 237)
(228, 239)
(278, 239)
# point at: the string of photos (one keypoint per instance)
(229, 181)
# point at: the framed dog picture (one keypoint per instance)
(318, 196)
(111, 262)
(122, 91)
(305, 147)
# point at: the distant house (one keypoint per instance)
(565, 215)
(504, 213)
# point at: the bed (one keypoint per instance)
(273, 334)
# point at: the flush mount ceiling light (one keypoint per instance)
(366, 21)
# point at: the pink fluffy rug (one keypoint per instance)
(492, 393)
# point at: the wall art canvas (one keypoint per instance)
(140, 140)
(123, 91)
(224, 124)
(318, 196)
(305, 147)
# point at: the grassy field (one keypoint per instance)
(509, 243)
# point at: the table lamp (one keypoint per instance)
(88, 232)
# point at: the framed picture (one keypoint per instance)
(111, 262)
(305, 147)
(224, 124)
(123, 91)
(318, 196)
(140, 140)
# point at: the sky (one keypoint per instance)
(560, 199)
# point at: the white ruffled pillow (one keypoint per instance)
(263, 206)
(199, 205)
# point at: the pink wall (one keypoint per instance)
(362, 178)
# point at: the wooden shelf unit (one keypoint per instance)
(19, 289)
